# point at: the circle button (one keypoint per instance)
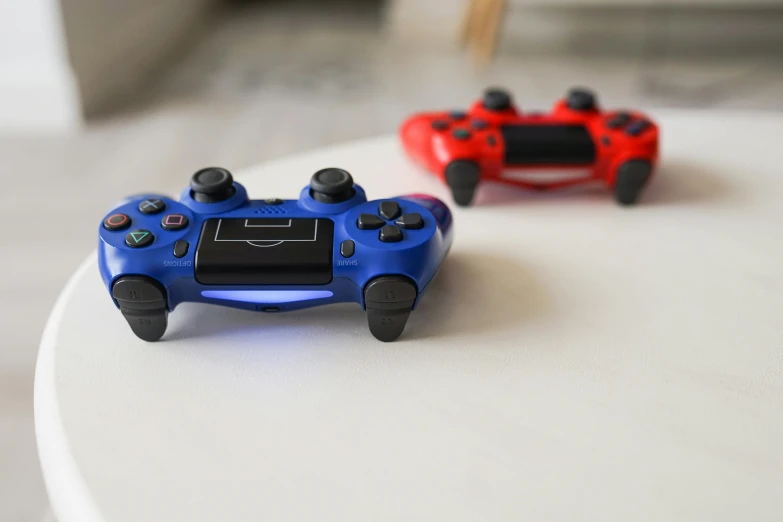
(116, 222)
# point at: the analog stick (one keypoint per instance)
(580, 99)
(212, 185)
(331, 186)
(496, 99)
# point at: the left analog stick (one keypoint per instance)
(331, 185)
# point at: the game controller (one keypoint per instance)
(216, 246)
(495, 141)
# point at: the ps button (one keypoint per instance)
(273, 201)
(389, 209)
(479, 124)
(139, 238)
(439, 125)
(620, 119)
(458, 115)
(461, 134)
(411, 221)
(151, 206)
(174, 222)
(637, 127)
(369, 222)
(390, 234)
(347, 248)
(116, 222)
(181, 248)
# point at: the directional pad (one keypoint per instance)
(390, 234)
(389, 209)
(411, 221)
(369, 222)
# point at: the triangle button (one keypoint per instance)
(139, 238)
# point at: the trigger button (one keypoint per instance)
(139, 293)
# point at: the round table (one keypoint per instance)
(573, 360)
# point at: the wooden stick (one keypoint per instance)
(486, 43)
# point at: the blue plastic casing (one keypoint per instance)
(417, 256)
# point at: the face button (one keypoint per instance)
(139, 238)
(390, 234)
(491, 141)
(347, 248)
(212, 185)
(174, 222)
(458, 115)
(273, 201)
(606, 141)
(439, 125)
(331, 186)
(116, 222)
(151, 206)
(620, 119)
(181, 248)
(389, 209)
(479, 124)
(496, 100)
(580, 99)
(637, 127)
(369, 222)
(411, 221)
(461, 134)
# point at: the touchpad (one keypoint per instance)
(265, 251)
(547, 145)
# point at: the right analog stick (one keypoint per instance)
(496, 100)
(212, 185)
(331, 185)
(580, 99)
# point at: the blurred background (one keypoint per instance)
(104, 98)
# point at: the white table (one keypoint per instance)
(574, 360)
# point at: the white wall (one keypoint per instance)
(115, 45)
(37, 88)
(608, 25)
(60, 59)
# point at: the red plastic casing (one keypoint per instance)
(435, 149)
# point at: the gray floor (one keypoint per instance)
(264, 84)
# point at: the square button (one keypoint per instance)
(174, 222)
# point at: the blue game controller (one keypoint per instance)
(216, 246)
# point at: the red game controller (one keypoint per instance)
(495, 141)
